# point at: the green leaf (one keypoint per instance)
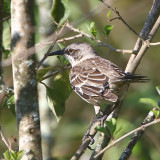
(108, 29)
(108, 14)
(118, 130)
(158, 89)
(148, 101)
(58, 94)
(42, 72)
(10, 103)
(111, 125)
(156, 113)
(13, 155)
(63, 60)
(6, 155)
(61, 46)
(6, 8)
(92, 29)
(20, 154)
(103, 130)
(60, 11)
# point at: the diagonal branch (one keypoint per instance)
(137, 135)
(131, 67)
(143, 127)
(151, 20)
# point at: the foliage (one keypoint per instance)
(108, 29)
(60, 11)
(108, 14)
(92, 29)
(149, 101)
(12, 155)
(110, 127)
(9, 103)
(58, 94)
(42, 72)
(6, 8)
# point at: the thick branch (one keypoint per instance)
(143, 49)
(151, 19)
(24, 77)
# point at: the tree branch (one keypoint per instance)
(143, 127)
(121, 18)
(151, 19)
(132, 67)
(137, 135)
(51, 47)
(24, 78)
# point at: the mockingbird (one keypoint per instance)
(93, 78)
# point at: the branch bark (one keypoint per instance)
(137, 136)
(24, 77)
(152, 25)
(151, 19)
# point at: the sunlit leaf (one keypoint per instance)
(158, 89)
(61, 46)
(58, 94)
(111, 124)
(92, 29)
(110, 127)
(63, 60)
(9, 103)
(108, 14)
(148, 101)
(13, 155)
(42, 72)
(156, 113)
(60, 11)
(103, 130)
(20, 154)
(6, 155)
(108, 29)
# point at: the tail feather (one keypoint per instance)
(133, 78)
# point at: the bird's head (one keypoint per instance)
(76, 52)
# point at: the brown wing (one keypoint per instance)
(91, 84)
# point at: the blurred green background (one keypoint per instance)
(64, 138)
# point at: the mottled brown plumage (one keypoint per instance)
(94, 78)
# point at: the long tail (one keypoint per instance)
(133, 78)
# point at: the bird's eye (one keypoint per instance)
(71, 51)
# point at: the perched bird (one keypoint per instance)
(93, 78)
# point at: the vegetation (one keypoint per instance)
(125, 32)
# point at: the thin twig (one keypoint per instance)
(8, 144)
(100, 43)
(154, 44)
(128, 134)
(51, 47)
(55, 73)
(121, 18)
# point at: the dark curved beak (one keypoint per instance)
(59, 52)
